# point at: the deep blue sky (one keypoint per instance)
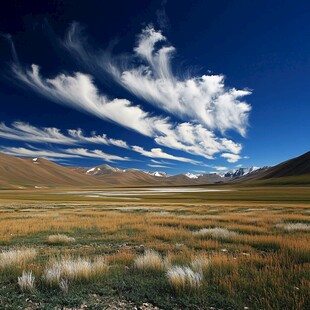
(261, 46)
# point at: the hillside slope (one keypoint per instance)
(19, 172)
(293, 171)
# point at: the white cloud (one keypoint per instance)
(231, 158)
(161, 162)
(95, 154)
(79, 92)
(61, 153)
(21, 131)
(206, 104)
(158, 166)
(24, 152)
(25, 132)
(220, 168)
(203, 99)
(196, 140)
(158, 153)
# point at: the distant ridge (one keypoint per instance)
(38, 172)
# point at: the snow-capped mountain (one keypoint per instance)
(100, 170)
(157, 174)
(240, 172)
(192, 175)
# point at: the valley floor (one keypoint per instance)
(242, 248)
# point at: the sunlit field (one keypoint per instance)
(236, 249)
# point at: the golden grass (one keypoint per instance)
(216, 233)
(150, 260)
(230, 247)
(183, 277)
(73, 269)
(60, 239)
(294, 226)
(16, 258)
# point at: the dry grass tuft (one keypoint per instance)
(200, 263)
(26, 282)
(15, 258)
(80, 269)
(60, 239)
(150, 260)
(64, 285)
(183, 277)
(294, 226)
(216, 233)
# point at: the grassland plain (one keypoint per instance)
(247, 248)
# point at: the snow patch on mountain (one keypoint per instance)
(241, 172)
(157, 174)
(192, 175)
(93, 170)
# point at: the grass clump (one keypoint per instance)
(295, 226)
(64, 285)
(200, 263)
(216, 233)
(15, 258)
(26, 282)
(60, 239)
(79, 270)
(150, 260)
(184, 277)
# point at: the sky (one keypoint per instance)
(174, 86)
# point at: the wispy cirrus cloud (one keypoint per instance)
(79, 92)
(158, 153)
(204, 102)
(21, 131)
(83, 152)
(59, 154)
(147, 73)
(27, 152)
(25, 132)
(159, 166)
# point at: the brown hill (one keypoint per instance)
(128, 178)
(293, 171)
(294, 167)
(24, 172)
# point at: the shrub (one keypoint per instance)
(181, 277)
(26, 282)
(60, 239)
(15, 258)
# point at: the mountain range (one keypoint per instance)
(39, 173)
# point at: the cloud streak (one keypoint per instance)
(21, 131)
(147, 74)
(79, 92)
(158, 153)
(61, 153)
